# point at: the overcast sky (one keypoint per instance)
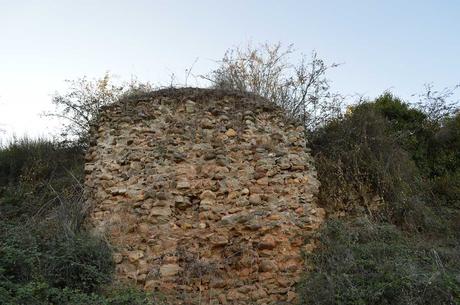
(397, 45)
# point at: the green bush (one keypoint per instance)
(40, 293)
(391, 162)
(36, 160)
(366, 263)
(408, 126)
(357, 158)
(388, 150)
(46, 256)
(433, 145)
(80, 262)
(33, 172)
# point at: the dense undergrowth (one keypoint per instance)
(46, 255)
(390, 183)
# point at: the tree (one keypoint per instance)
(438, 104)
(302, 89)
(82, 103)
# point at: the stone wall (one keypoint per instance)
(207, 196)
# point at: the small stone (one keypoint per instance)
(183, 184)
(233, 195)
(207, 194)
(267, 242)
(182, 202)
(231, 133)
(209, 156)
(160, 211)
(255, 199)
(134, 256)
(267, 265)
(169, 270)
(162, 196)
(284, 164)
(219, 240)
(143, 267)
(254, 224)
(263, 181)
(217, 282)
(202, 225)
(189, 106)
(143, 228)
(259, 174)
(284, 282)
(89, 168)
(141, 278)
(291, 296)
(117, 258)
(258, 294)
(222, 299)
(118, 191)
(229, 219)
(136, 195)
(207, 123)
(105, 176)
(170, 259)
(151, 285)
(206, 205)
(300, 211)
(245, 191)
(178, 157)
(221, 172)
(234, 295)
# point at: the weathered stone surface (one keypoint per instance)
(255, 199)
(231, 133)
(134, 256)
(169, 270)
(207, 194)
(267, 242)
(267, 265)
(203, 194)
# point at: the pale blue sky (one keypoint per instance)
(397, 45)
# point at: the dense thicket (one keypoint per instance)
(46, 255)
(390, 182)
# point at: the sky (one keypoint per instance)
(382, 45)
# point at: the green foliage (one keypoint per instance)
(33, 172)
(35, 161)
(409, 127)
(389, 149)
(132, 296)
(40, 293)
(357, 158)
(46, 256)
(82, 103)
(366, 263)
(401, 168)
(81, 262)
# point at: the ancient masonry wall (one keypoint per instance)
(207, 196)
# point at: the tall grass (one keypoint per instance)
(46, 254)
